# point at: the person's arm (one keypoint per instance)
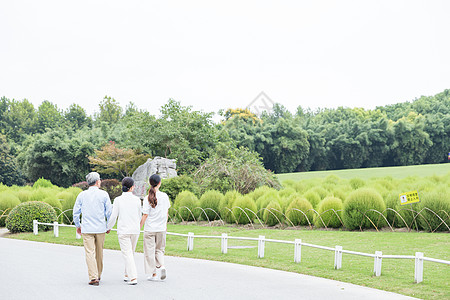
(143, 219)
(76, 214)
(113, 218)
(108, 209)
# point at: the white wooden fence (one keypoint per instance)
(378, 256)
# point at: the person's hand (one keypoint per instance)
(79, 230)
(108, 231)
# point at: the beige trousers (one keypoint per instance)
(127, 244)
(154, 246)
(93, 247)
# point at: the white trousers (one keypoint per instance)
(127, 244)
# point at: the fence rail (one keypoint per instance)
(338, 250)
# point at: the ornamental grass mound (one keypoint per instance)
(210, 203)
(272, 214)
(330, 212)
(186, 203)
(7, 202)
(21, 217)
(244, 209)
(299, 211)
(363, 209)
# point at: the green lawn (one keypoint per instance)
(394, 172)
(397, 275)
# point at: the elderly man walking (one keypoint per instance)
(95, 208)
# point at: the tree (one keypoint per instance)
(48, 116)
(76, 117)
(9, 173)
(115, 161)
(56, 157)
(19, 120)
(231, 168)
(110, 111)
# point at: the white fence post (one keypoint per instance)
(418, 267)
(55, 229)
(338, 257)
(35, 227)
(377, 263)
(298, 250)
(261, 242)
(224, 243)
(190, 241)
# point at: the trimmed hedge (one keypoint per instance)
(357, 206)
(42, 183)
(21, 217)
(312, 197)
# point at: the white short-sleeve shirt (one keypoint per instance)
(157, 217)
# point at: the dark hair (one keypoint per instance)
(154, 181)
(127, 184)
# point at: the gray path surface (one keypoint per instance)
(32, 270)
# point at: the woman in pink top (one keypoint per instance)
(155, 213)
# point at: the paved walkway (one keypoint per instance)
(32, 270)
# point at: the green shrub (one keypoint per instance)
(320, 191)
(3, 187)
(113, 187)
(7, 202)
(272, 210)
(244, 204)
(185, 203)
(312, 197)
(21, 217)
(175, 185)
(55, 203)
(439, 202)
(24, 195)
(357, 183)
(332, 179)
(226, 206)
(296, 217)
(40, 194)
(211, 200)
(261, 191)
(357, 204)
(42, 183)
(67, 199)
(285, 193)
(288, 183)
(392, 202)
(340, 193)
(264, 200)
(328, 216)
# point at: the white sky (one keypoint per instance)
(221, 54)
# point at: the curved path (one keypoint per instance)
(32, 270)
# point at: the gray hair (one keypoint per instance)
(92, 178)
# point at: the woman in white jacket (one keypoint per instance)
(127, 208)
(155, 213)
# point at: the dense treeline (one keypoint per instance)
(56, 144)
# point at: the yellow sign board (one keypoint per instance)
(409, 198)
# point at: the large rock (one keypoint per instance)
(164, 167)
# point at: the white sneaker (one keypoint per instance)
(126, 279)
(152, 278)
(132, 282)
(163, 273)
